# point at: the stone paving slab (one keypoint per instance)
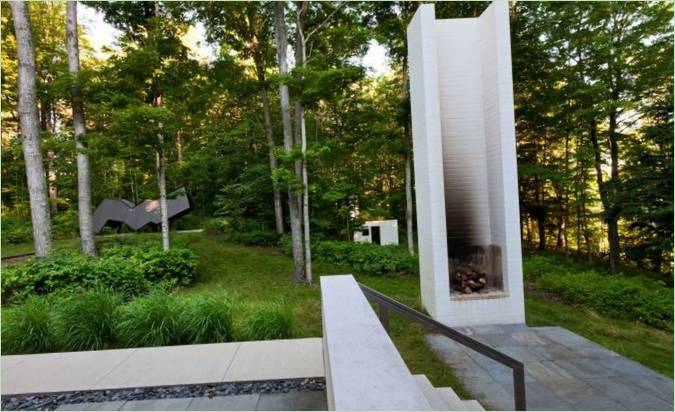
(169, 365)
(175, 404)
(93, 406)
(291, 401)
(225, 403)
(563, 371)
(302, 358)
(58, 372)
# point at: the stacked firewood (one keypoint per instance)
(470, 279)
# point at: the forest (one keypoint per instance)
(285, 132)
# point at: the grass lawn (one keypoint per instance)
(255, 274)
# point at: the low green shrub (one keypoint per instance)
(632, 296)
(28, 328)
(16, 229)
(176, 265)
(216, 226)
(86, 321)
(616, 296)
(130, 270)
(152, 320)
(269, 320)
(65, 224)
(363, 257)
(208, 319)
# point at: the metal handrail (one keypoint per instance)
(386, 303)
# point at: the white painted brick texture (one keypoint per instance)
(465, 160)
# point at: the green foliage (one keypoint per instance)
(269, 320)
(152, 320)
(65, 224)
(176, 265)
(16, 230)
(254, 237)
(86, 321)
(620, 296)
(130, 270)
(28, 328)
(208, 319)
(216, 226)
(363, 257)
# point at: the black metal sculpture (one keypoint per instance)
(136, 216)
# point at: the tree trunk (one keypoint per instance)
(30, 131)
(408, 169)
(409, 203)
(179, 147)
(610, 217)
(161, 168)
(85, 215)
(293, 206)
(269, 135)
(161, 182)
(613, 212)
(300, 58)
(52, 186)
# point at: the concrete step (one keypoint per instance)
(435, 400)
(445, 399)
(451, 399)
(472, 405)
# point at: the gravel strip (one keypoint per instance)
(49, 402)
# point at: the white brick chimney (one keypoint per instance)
(465, 161)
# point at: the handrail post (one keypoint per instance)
(384, 316)
(519, 388)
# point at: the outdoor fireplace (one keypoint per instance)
(465, 167)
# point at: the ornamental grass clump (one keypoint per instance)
(152, 320)
(208, 319)
(269, 320)
(28, 328)
(86, 321)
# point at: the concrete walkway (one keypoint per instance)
(563, 371)
(162, 366)
(291, 401)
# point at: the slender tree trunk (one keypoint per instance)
(271, 146)
(300, 58)
(161, 182)
(52, 186)
(613, 212)
(30, 131)
(293, 206)
(610, 216)
(85, 216)
(161, 168)
(409, 203)
(407, 165)
(179, 147)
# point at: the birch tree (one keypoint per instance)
(293, 201)
(301, 135)
(161, 159)
(85, 216)
(30, 131)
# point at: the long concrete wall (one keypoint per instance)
(464, 148)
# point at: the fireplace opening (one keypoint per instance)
(475, 270)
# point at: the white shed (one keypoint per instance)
(381, 232)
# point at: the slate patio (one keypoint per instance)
(564, 371)
(292, 401)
